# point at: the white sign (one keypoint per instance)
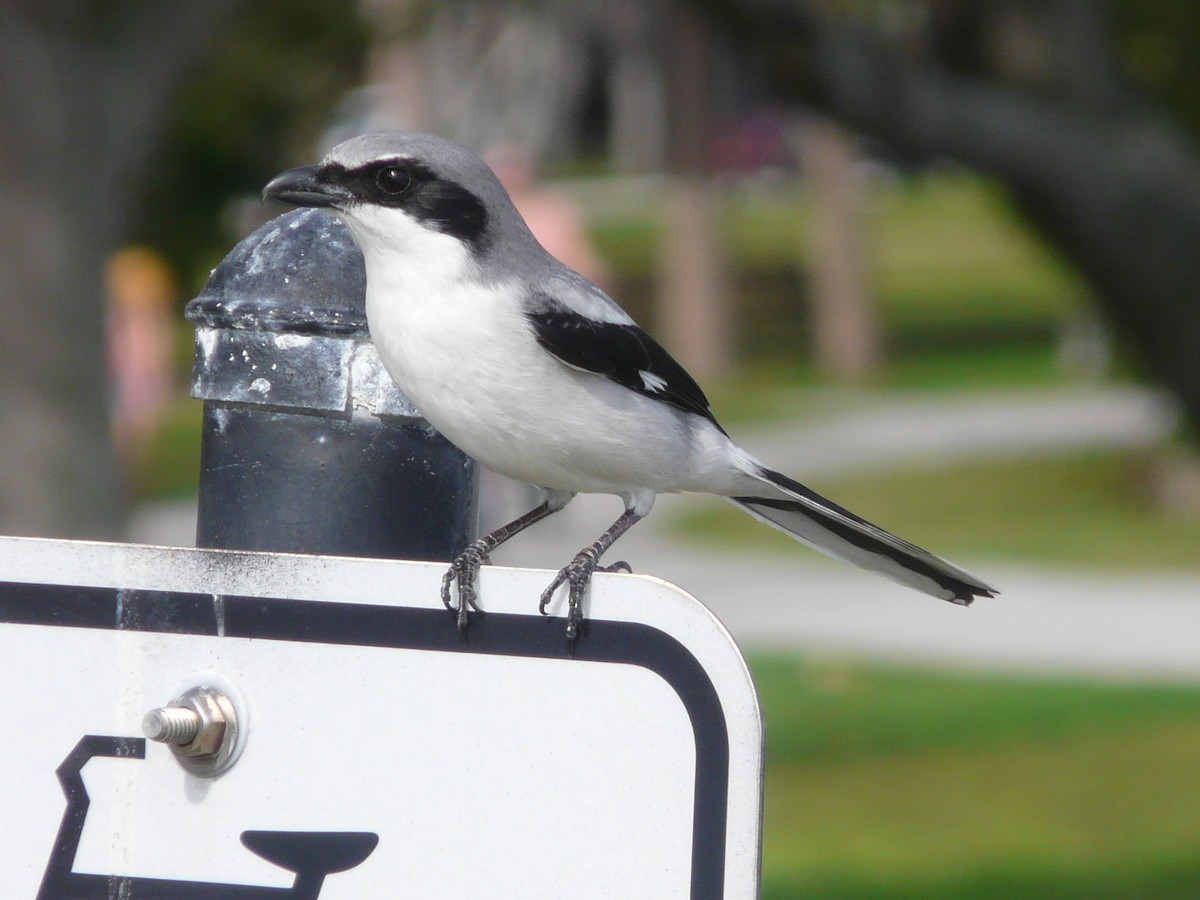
(382, 757)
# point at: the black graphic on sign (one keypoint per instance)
(311, 855)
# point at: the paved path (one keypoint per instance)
(962, 427)
(1129, 624)
(1047, 619)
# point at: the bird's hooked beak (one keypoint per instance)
(305, 186)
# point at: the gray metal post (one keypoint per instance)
(308, 446)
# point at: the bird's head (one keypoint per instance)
(406, 194)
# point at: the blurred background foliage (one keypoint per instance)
(1156, 44)
(272, 84)
(260, 98)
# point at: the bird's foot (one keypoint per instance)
(577, 575)
(465, 570)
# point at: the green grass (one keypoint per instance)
(1032, 820)
(772, 389)
(838, 710)
(170, 466)
(1012, 364)
(886, 782)
(949, 257)
(952, 255)
(1090, 508)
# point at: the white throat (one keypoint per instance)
(421, 290)
(402, 254)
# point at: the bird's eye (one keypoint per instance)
(393, 180)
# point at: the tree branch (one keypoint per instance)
(1114, 187)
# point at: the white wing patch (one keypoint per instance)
(653, 382)
(580, 296)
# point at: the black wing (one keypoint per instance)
(622, 353)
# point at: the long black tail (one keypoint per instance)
(808, 517)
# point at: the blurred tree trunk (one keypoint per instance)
(638, 104)
(1110, 183)
(693, 309)
(847, 344)
(83, 92)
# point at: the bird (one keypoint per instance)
(538, 374)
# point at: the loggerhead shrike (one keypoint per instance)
(533, 370)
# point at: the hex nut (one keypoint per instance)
(214, 742)
(215, 712)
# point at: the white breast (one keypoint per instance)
(466, 355)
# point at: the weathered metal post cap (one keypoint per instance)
(282, 323)
(308, 445)
(300, 272)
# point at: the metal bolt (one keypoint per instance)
(200, 727)
(171, 725)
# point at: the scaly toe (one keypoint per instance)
(578, 575)
(548, 593)
(465, 570)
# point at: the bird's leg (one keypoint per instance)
(465, 567)
(578, 572)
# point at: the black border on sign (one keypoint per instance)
(356, 624)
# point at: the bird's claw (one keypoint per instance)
(577, 575)
(464, 569)
(548, 593)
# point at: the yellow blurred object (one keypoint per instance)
(138, 278)
(141, 291)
